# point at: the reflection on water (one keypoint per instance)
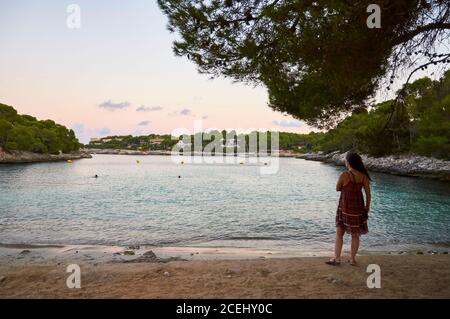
(226, 205)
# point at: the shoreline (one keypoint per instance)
(110, 151)
(27, 274)
(18, 157)
(401, 165)
(137, 253)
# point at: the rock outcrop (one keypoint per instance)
(405, 165)
(29, 157)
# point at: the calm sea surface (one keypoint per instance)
(210, 205)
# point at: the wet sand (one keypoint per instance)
(108, 272)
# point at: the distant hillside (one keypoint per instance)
(153, 142)
(26, 133)
(142, 143)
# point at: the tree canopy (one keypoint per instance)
(26, 133)
(420, 125)
(318, 59)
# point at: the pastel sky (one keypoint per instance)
(116, 74)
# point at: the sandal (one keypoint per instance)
(333, 262)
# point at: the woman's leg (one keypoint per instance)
(340, 231)
(355, 247)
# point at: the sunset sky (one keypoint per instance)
(117, 74)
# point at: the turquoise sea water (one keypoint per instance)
(210, 205)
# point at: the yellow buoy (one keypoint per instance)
(138, 161)
(69, 161)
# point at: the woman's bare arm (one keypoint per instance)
(340, 182)
(368, 194)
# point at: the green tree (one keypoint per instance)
(26, 133)
(7, 112)
(419, 123)
(20, 138)
(5, 129)
(318, 59)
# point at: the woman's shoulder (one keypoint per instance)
(345, 175)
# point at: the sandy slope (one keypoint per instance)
(403, 276)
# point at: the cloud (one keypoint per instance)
(143, 123)
(183, 112)
(186, 112)
(144, 108)
(111, 106)
(285, 123)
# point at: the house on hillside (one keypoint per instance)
(156, 141)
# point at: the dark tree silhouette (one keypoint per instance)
(317, 59)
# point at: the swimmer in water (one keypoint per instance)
(95, 176)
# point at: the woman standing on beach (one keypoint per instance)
(352, 213)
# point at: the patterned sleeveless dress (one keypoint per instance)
(351, 213)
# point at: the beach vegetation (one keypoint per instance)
(418, 123)
(26, 133)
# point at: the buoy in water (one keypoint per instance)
(138, 161)
(69, 161)
(182, 162)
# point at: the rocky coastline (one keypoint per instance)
(404, 165)
(12, 157)
(282, 153)
(112, 151)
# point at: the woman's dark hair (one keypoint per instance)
(356, 162)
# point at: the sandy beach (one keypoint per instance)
(109, 272)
